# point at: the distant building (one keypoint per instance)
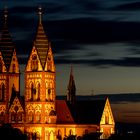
(38, 113)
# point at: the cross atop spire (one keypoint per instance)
(5, 14)
(40, 13)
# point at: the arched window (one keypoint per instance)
(0, 65)
(51, 92)
(47, 92)
(37, 136)
(59, 137)
(49, 66)
(38, 117)
(70, 132)
(14, 68)
(13, 116)
(33, 92)
(34, 63)
(2, 117)
(2, 91)
(106, 119)
(38, 91)
(20, 116)
(30, 117)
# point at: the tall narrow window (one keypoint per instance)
(38, 117)
(49, 93)
(2, 91)
(49, 64)
(46, 92)
(34, 63)
(20, 116)
(0, 65)
(38, 91)
(2, 117)
(30, 115)
(14, 68)
(32, 91)
(106, 119)
(13, 116)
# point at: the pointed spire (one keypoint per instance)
(71, 71)
(40, 14)
(41, 42)
(71, 96)
(6, 44)
(5, 15)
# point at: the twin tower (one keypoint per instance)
(38, 104)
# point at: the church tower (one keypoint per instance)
(9, 70)
(40, 80)
(71, 95)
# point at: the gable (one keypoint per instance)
(14, 66)
(107, 115)
(2, 64)
(16, 106)
(33, 57)
(49, 65)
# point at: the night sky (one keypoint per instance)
(99, 38)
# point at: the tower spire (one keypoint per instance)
(41, 41)
(40, 14)
(5, 15)
(6, 44)
(71, 95)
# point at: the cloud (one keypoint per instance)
(132, 6)
(67, 32)
(103, 63)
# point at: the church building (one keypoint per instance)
(38, 113)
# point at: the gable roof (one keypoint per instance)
(87, 111)
(17, 99)
(63, 112)
(16, 95)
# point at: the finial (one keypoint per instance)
(40, 13)
(71, 72)
(5, 14)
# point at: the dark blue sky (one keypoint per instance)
(100, 38)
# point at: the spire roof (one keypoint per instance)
(71, 80)
(41, 41)
(6, 44)
(71, 96)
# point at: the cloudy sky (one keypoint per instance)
(99, 38)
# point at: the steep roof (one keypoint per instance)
(63, 112)
(71, 85)
(6, 44)
(20, 99)
(88, 111)
(41, 41)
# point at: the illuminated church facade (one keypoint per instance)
(38, 113)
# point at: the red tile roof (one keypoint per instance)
(63, 113)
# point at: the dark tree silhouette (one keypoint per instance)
(7, 132)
